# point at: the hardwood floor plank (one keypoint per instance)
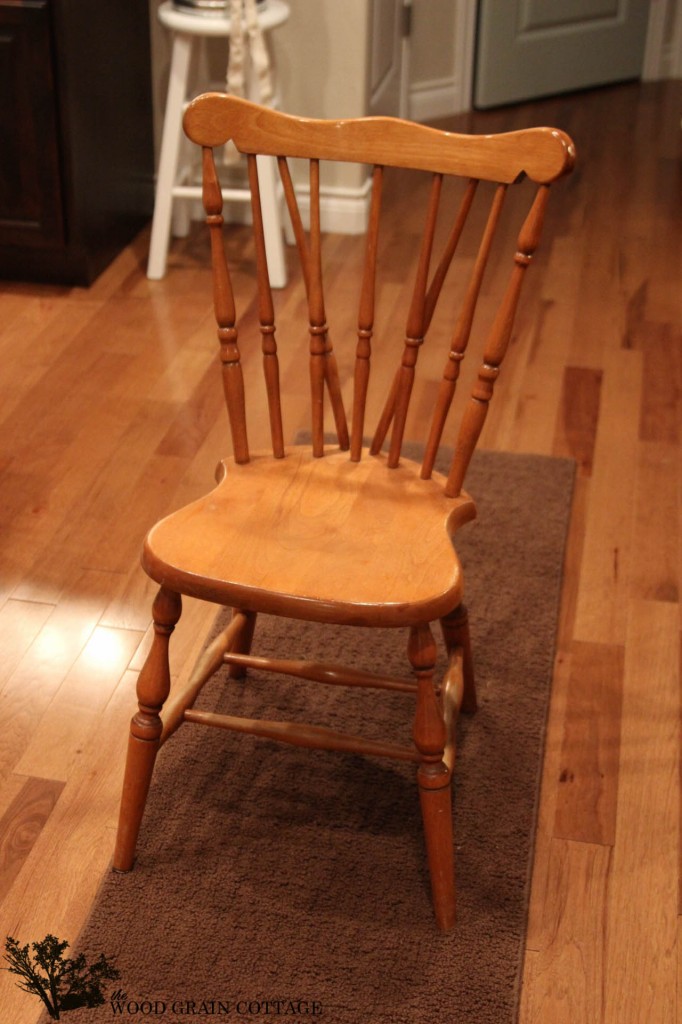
(58, 392)
(130, 607)
(541, 383)
(151, 493)
(657, 556)
(642, 923)
(544, 830)
(22, 823)
(599, 326)
(38, 544)
(39, 690)
(607, 552)
(579, 416)
(588, 777)
(678, 1019)
(195, 417)
(69, 857)
(573, 560)
(661, 410)
(57, 741)
(95, 673)
(74, 849)
(46, 663)
(51, 322)
(20, 623)
(94, 492)
(566, 983)
(11, 786)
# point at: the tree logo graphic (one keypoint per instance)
(62, 983)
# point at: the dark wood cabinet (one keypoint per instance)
(76, 145)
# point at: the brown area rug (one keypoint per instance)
(275, 883)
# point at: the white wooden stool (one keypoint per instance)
(171, 182)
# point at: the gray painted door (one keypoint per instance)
(531, 48)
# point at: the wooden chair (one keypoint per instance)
(374, 544)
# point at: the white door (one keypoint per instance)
(531, 48)
(387, 73)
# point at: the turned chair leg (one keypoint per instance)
(434, 778)
(153, 686)
(455, 627)
(242, 644)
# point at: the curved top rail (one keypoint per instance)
(541, 154)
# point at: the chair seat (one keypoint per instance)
(324, 539)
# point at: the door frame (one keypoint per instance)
(452, 94)
(662, 59)
(663, 50)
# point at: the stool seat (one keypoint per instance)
(189, 29)
(201, 23)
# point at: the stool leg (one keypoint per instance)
(168, 163)
(181, 220)
(272, 221)
(270, 204)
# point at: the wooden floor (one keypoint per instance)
(111, 414)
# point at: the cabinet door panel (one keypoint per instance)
(30, 190)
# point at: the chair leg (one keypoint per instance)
(433, 777)
(153, 686)
(242, 644)
(455, 628)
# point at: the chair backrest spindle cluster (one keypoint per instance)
(541, 154)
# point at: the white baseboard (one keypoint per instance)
(436, 99)
(344, 211)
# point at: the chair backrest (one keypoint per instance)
(541, 155)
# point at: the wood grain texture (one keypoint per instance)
(661, 413)
(609, 546)
(656, 559)
(544, 155)
(384, 143)
(590, 754)
(111, 370)
(579, 416)
(563, 981)
(644, 884)
(294, 563)
(22, 823)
